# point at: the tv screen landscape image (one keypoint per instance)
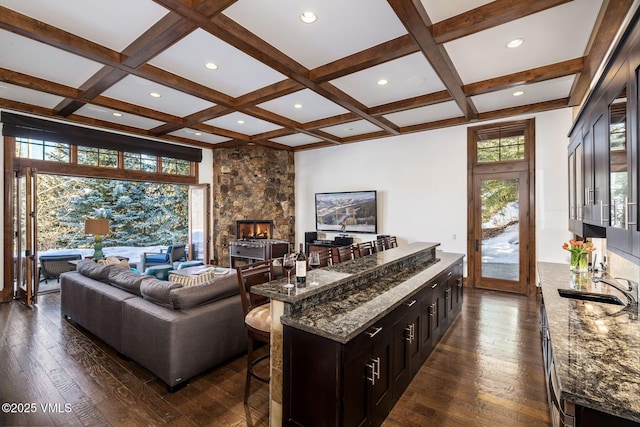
(347, 212)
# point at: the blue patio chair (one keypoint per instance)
(173, 254)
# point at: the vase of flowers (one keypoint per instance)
(579, 252)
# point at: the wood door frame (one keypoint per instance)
(474, 168)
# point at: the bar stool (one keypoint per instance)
(378, 245)
(341, 254)
(363, 249)
(257, 314)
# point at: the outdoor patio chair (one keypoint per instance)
(52, 266)
(173, 254)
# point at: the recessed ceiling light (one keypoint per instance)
(117, 114)
(518, 93)
(308, 17)
(240, 122)
(197, 133)
(211, 66)
(382, 82)
(515, 43)
(154, 94)
(297, 105)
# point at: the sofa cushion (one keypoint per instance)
(112, 260)
(158, 291)
(126, 280)
(90, 268)
(192, 296)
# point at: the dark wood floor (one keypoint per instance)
(487, 371)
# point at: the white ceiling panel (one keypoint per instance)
(108, 114)
(296, 140)
(114, 23)
(199, 136)
(551, 36)
(242, 123)
(439, 10)
(346, 130)
(37, 59)
(533, 93)
(237, 72)
(28, 96)
(430, 113)
(343, 27)
(407, 77)
(312, 106)
(136, 90)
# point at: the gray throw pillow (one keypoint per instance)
(126, 280)
(158, 291)
(89, 268)
(204, 293)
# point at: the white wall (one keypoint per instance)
(421, 181)
(205, 176)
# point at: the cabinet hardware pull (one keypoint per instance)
(627, 213)
(372, 378)
(411, 303)
(374, 333)
(434, 286)
(377, 363)
(411, 333)
(450, 273)
(459, 282)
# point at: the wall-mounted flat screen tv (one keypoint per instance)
(347, 212)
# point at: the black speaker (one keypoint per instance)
(310, 236)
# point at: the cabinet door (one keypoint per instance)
(588, 177)
(427, 322)
(600, 207)
(415, 353)
(401, 337)
(382, 392)
(359, 373)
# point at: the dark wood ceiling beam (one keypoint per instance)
(534, 75)
(376, 55)
(610, 19)
(136, 110)
(214, 130)
(406, 104)
(267, 93)
(492, 14)
(415, 19)
(331, 121)
(525, 109)
(98, 83)
(52, 36)
(35, 83)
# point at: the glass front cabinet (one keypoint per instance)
(603, 158)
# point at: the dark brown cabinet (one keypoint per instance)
(603, 154)
(326, 383)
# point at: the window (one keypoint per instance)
(175, 166)
(140, 162)
(500, 144)
(97, 157)
(42, 150)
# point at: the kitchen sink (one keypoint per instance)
(590, 296)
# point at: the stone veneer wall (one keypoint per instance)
(251, 184)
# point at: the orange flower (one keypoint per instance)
(579, 247)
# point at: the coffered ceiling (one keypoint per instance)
(292, 85)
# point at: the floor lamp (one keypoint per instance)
(97, 227)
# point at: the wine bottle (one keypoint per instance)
(301, 268)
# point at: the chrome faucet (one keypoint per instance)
(631, 291)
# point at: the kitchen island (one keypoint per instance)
(592, 352)
(342, 352)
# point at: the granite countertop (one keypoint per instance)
(341, 319)
(596, 346)
(335, 276)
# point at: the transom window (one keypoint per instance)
(140, 162)
(33, 149)
(42, 150)
(500, 144)
(97, 157)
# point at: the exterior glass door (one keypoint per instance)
(26, 270)
(502, 210)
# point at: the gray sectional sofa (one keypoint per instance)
(174, 331)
